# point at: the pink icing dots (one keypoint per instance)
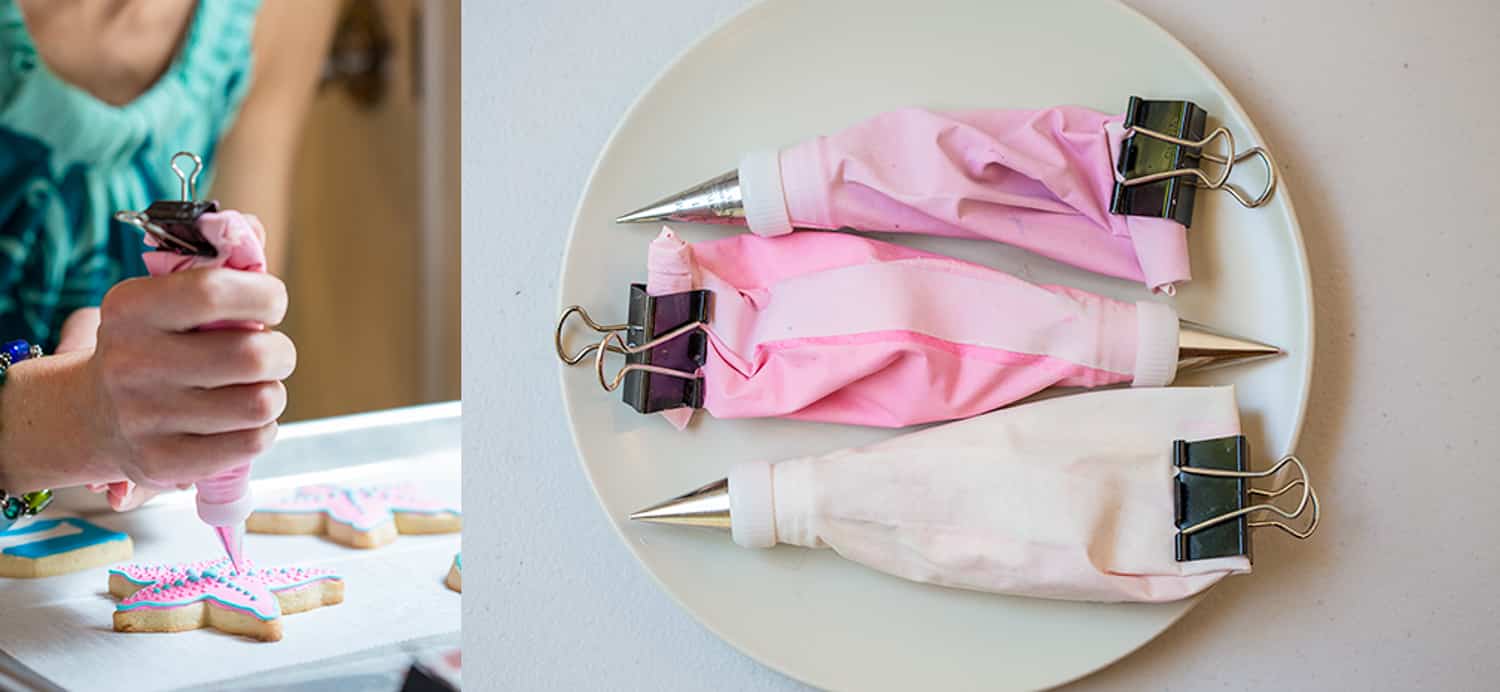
(253, 591)
(363, 508)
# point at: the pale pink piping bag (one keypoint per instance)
(1036, 179)
(842, 328)
(1025, 501)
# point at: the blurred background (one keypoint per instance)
(373, 266)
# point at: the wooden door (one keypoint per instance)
(373, 259)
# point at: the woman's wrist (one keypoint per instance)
(48, 425)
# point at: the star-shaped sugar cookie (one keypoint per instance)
(360, 517)
(176, 598)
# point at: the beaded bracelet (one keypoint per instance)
(14, 352)
(13, 507)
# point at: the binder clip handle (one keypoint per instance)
(1204, 181)
(1159, 169)
(174, 223)
(189, 181)
(576, 358)
(1213, 506)
(664, 344)
(614, 344)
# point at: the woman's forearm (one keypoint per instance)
(48, 426)
(257, 155)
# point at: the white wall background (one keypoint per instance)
(1382, 116)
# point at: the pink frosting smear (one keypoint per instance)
(252, 590)
(842, 328)
(1036, 179)
(362, 508)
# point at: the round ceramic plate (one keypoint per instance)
(784, 71)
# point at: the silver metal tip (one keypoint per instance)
(717, 200)
(1200, 347)
(705, 506)
(654, 212)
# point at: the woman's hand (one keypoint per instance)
(174, 405)
(80, 333)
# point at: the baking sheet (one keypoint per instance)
(61, 627)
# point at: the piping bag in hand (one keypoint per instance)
(224, 501)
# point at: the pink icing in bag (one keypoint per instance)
(841, 328)
(1108, 193)
(224, 500)
(240, 242)
(1040, 180)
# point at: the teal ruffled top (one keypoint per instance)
(69, 161)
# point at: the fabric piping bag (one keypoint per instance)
(1041, 180)
(1024, 501)
(842, 328)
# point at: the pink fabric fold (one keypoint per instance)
(670, 270)
(842, 328)
(240, 240)
(1040, 180)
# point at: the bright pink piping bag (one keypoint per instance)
(240, 240)
(1037, 179)
(842, 328)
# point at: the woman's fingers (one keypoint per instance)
(190, 299)
(226, 409)
(130, 497)
(170, 460)
(188, 381)
(80, 331)
(200, 359)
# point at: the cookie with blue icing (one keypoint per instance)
(49, 547)
(359, 517)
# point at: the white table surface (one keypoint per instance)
(1385, 118)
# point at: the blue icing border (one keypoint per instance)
(222, 603)
(90, 534)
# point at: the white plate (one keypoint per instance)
(787, 70)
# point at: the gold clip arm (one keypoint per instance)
(1203, 179)
(619, 346)
(576, 358)
(1308, 498)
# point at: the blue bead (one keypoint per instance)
(18, 350)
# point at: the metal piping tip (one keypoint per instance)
(717, 201)
(1202, 348)
(706, 506)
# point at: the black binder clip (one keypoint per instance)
(664, 346)
(1159, 170)
(174, 224)
(1212, 498)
